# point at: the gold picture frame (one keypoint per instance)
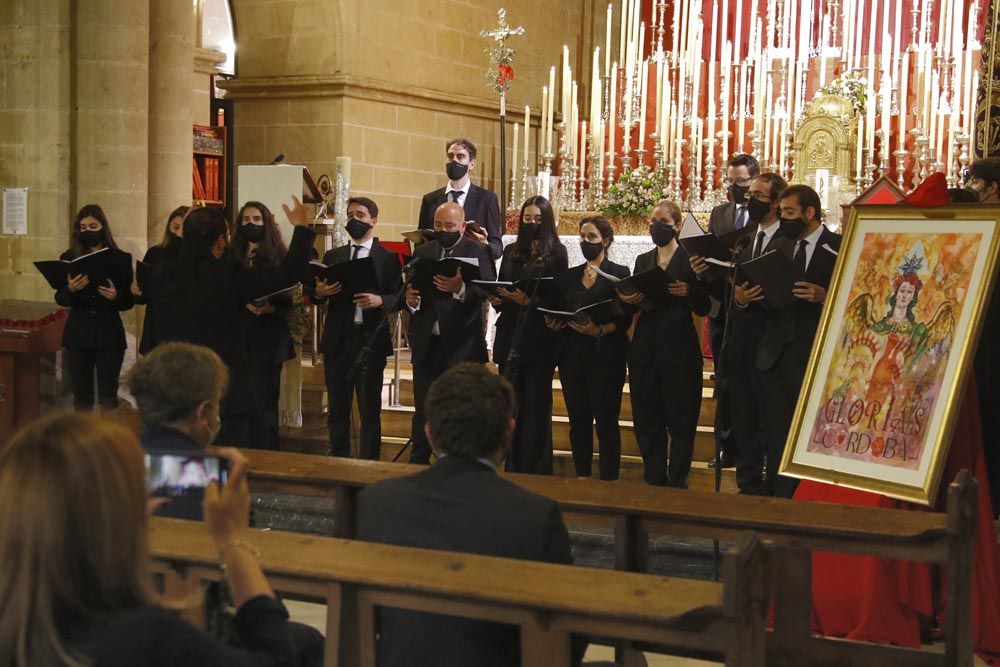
(894, 348)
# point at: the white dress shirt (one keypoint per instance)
(464, 190)
(811, 241)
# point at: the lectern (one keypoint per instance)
(28, 329)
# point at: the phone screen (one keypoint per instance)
(181, 477)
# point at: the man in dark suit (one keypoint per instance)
(446, 326)
(747, 404)
(787, 338)
(724, 219)
(351, 324)
(984, 179)
(461, 504)
(480, 205)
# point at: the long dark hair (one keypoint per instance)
(76, 245)
(547, 237)
(178, 212)
(270, 251)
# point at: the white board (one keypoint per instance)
(272, 186)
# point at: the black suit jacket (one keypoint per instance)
(722, 219)
(746, 325)
(461, 505)
(666, 336)
(461, 322)
(537, 343)
(93, 321)
(480, 205)
(201, 300)
(340, 312)
(609, 349)
(790, 330)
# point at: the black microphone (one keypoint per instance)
(409, 266)
(278, 159)
(742, 244)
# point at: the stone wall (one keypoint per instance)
(387, 84)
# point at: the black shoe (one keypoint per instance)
(727, 462)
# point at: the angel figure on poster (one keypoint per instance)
(906, 352)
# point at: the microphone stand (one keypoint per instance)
(360, 364)
(721, 381)
(514, 355)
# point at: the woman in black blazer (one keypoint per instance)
(537, 252)
(94, 337)
(267, 340)
(175, 223)
(592, 359)
(664, 359)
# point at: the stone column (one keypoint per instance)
(110, 125)
(171, 57)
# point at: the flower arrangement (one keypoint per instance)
(851, 86)
(634, 194)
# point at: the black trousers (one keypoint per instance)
(665, 407)
(82, 364)
(781, 384)
(266, 378)
(749, 419)
(593, 392)
(531, 444)
(435, 362)
(723, 411)
(341, 389)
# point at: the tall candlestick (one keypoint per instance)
(627, 100)
(527, 130)
(622, 30)
(886, 91)
(860, 147)
(643, 103)
(551, 110)
(904, 96)
(607, 44)
(583, 148)
(612, 112)
(543, 137)
(513, 150)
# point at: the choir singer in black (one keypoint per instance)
(447, 326)
(350, 325)
(537, 253)
(592, 358)
(664, 359)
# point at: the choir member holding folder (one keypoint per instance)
(448, 310)
(202, 296)
(360, 282)
(593, 349)
(792, 319)
(664, 359)
(96, 287)
(527, 269)
(267, 341)
(144, 288)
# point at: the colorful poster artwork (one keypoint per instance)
(889, 362)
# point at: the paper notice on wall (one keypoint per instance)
(15, 211)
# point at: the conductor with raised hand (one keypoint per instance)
(447, 327)
(202, 296)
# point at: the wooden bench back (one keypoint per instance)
(547, 601)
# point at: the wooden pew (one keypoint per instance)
(792, 529)
(548, 602)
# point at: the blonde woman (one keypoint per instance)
(75, 582)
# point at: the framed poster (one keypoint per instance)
(894, 348)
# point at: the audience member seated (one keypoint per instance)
(461, 504)
(177, 388)
(76, 583)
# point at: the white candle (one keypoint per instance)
(600, 151)
(614, 112)
(738, 42)
(712, 63)
(860, 148)
(904, 97)
(566, 76)
(627, 101)
(859, 20)
(697, 143)
(527, 130)
(607, 45)
(622, 29)
(543, 138)
(513, 150)
(972, 114)
(886, 101)
(643, 103)
(583, 149)
(551, 110)
(726, 85)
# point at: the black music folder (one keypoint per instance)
(539, 286)
(425, 270)
(278, 297)
(710, 246)
(652, 284)
(776, 275)
(355, 277)
(97, 265)
(601, 312)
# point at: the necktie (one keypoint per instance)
(455, 194)
(354, 252)
(741, 217)
(758, 246)
(800, 256)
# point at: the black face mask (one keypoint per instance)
(530, 230)
(591, 251)
(447, 239)
(791, 228)
(757, 209)
(357, 229)
(662, 234)
(252, 233)
(456, 171)
(91, 238)
(738, 192)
